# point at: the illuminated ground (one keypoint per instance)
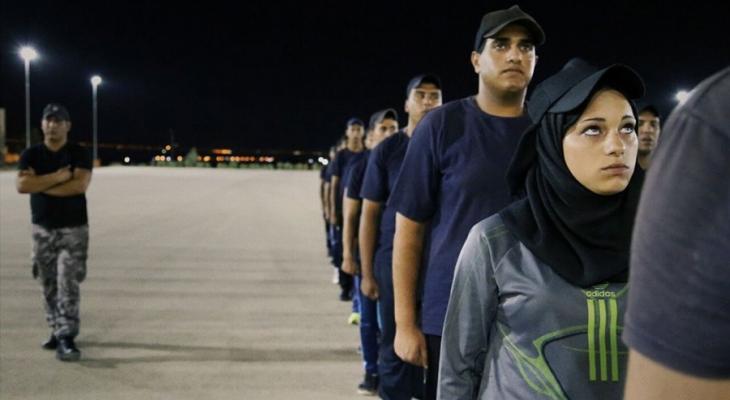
(202, 284)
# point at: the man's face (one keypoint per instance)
(55, 130)
(355, 132)
(422, 99)
(649, 130)
(507, 62)
(383, 129)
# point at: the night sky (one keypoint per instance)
(287, 75)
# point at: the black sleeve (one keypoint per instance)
(25, 160)
(679, 298)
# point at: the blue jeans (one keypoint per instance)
(369, 331)
(398, 379)
(345, 279)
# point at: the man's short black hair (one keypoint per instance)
(650, 108)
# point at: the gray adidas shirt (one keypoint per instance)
(516, 330)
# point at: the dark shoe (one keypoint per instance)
(369, 385)
(51, 343)
(345, 296)
(67, 350)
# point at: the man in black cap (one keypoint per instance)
(453, 176)
(57, 173)
(649, 130)
(398, 380)
(382, 125)
(354, 133)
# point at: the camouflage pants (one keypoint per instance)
(59, 263)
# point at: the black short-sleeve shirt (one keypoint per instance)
(53, 211)
(679, 303)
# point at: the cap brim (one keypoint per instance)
(535, 29)
(619, 76)
(58, 116)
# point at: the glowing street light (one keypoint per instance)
(28, 54)
(681, 96)
(95, 81)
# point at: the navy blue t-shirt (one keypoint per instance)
(343, 161)
(355, 175)
(380, 177)
(679, 303)
(53, 211)
(453, 175)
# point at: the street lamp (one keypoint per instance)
(28, 54)
(95, 81)
(681, 96)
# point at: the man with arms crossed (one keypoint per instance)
(57, 173)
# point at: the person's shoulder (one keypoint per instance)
(391, 142)
(451, 109)
(494, 234)
(444, 119)
(36, 148)
(32, 151)
(710, 100)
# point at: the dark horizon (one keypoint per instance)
(283, 76)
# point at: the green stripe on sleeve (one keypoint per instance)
(591, 340)
(613, 308)
(602, 339)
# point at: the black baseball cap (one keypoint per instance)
(494, 21)
(379, 116)
(57, 111)
(419, 80)
(575, 82)
(355, 121)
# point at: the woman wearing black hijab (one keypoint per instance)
(536, 306)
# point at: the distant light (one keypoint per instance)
(28, 53)
(168, 147)
(169, 159)
(179, 158)
(164, 151)
(96, 80)
(310, 161)
(126, 160)
(681, 96)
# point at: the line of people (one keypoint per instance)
(490, 240)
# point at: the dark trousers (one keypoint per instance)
(369, 331)
(345, 279)
(398, 379)
(433, 348)
(328, 239)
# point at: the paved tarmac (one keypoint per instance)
(202, 284)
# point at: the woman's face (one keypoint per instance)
(600, 148)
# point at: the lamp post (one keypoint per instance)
(95, 82)
(28, 54)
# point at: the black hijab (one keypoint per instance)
(584, 237)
